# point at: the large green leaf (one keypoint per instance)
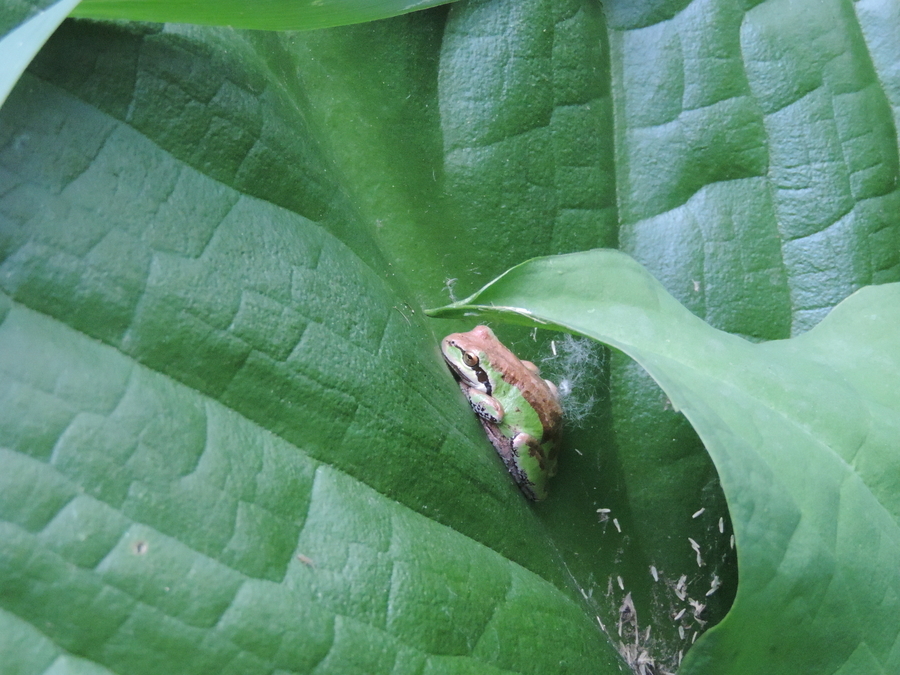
(250, 223)
(805, 434)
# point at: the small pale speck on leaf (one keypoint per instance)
(696, 547)
(681, 587)
(697, 606)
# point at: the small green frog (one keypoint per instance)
(519, 411)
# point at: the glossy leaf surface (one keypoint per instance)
(228, 417)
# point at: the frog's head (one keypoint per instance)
(467, 356)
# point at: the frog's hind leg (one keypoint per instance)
(504, 447)
(532, 464)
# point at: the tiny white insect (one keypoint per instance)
(681, 587)
(680, 614)
(616, 523)
(721, 526)
(621, 583)
(696, 547)
(627, 612)
(699, 513)
(713, 585)
(654, 573)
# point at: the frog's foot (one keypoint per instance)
(485, 406)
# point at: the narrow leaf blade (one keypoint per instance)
(268, 15)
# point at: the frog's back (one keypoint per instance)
(536, 392)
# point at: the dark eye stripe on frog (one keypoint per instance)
(479, 373)
(483, 378)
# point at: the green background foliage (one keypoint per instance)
(228, 440)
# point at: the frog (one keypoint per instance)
(520, 411)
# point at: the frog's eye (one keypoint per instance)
(470, 359)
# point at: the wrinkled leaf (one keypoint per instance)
(157, 182)
(245, 458)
